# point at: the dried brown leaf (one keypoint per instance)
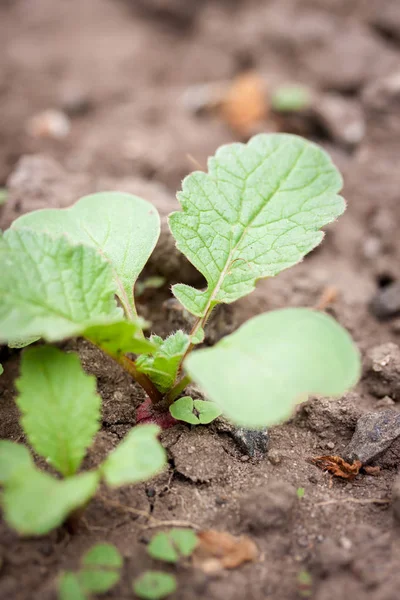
(337, 466)
(219, 550)
(245, 103)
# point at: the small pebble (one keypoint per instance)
(330, 445)
(244, 458)
(49, 124)
(274, 457)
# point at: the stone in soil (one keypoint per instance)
(382, 371)
(251, 442)
(268, 507)
(396, 499)
(342, 118)
(375, 432)
(386, 302)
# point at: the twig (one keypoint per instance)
(355, 501)
(153, 522)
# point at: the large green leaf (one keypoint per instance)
(154, 585)
(50, 288)
(257, 211)
(162, 366)
(34, 502)
(120, 337)
(121, 227)
(258, 374)
(59, 405)
(139, 457)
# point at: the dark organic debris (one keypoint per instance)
(374, 433)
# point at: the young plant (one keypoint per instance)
(257, 211)
(169, 547)
(60, 416)
(100, 571)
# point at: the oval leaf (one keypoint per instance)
(154, 585)
(208, 411)
(258, 374)
(69, 588)
(257, 211)
(182, 410)
(59, 405)
(139, 457)
(121, 227)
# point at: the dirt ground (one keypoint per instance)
(126, 74)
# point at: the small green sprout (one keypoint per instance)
(154, 585)
(72, 273)
(60, 417)
(300, 492)
(304, 584)
(150, 283)
(173, 545)
(100, 571)
(195, 412)
(291, 98)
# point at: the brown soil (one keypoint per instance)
(121, 69)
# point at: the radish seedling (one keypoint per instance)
(72, 272)
(60, 416)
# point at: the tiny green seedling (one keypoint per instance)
(300, 492)
(60, 416)
(72, 273)
(154, 585)
(173, 545)
(100, 571)
(169, 547)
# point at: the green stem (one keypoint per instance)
(142, 379)
(129, 366)
(177, 389)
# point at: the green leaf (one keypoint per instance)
(258, 374)
(120, 337)
(138, 457)
(34, 502)
(98, 581)
(258, 211)
(154, 585)
(103, 555)
(59, 405)
(13, 459)
(1, 369)
(51, 289)
(172, 545)
(69, 587)
(162, 367)
(22, 342)
(121, 227)
(182, 410)
(208, 411)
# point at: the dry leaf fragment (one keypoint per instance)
(337, 466)
(328, 297)
(370, 470)
(245, 103)
(219, 550)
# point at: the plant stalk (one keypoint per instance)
(177, 389)
(142, 379)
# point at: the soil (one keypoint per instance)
(125, 74)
